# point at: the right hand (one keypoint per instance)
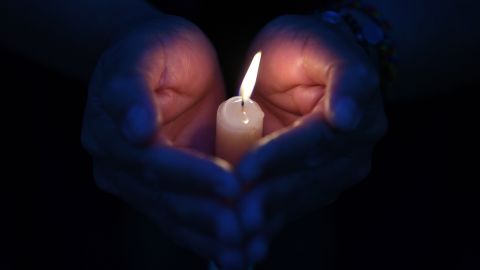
(323, 116)
(150, 126)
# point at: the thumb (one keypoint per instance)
(129, 102)
(350, 89)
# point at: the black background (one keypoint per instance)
(417, 210)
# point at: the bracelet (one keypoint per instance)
(376, 37)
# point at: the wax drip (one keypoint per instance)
(245, 117)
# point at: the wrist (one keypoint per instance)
(370, 31)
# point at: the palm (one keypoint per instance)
(284, 90)
(297, 55)
(179, 67)
(188, 97)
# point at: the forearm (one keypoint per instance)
(434, 40)
(68, 35)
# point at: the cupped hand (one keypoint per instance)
(150, 126)
(323, 116)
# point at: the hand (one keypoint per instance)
(150, 124)
(323, 116)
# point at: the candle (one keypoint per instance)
(239, 119)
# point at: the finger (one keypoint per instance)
(104, 175)
(306, 145)
(285, 151)
(369, 131)
(251, 212)
(350, 77)
(256, 206)
(310, 188)
(275, 225)
(256, 249)
(211, 217)
(205, 216)
(255, 209)
(350, 88)
(110, 143)
(130, 104)
(167, 168)
(153, 204)
(315, 186)
(90, 142)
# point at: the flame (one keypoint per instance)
(250, 78)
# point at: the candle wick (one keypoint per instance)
(243, 102)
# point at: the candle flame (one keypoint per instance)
(248, 82)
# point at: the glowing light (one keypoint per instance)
(250, 78)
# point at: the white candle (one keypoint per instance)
(239, 119)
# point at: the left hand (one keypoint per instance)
(150, 128)
(323, 116)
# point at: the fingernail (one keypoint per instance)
(346, 114)
(139, 124)
(257, 249)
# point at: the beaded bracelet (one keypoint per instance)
(382, 43)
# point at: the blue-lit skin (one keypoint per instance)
(323, 115)
(150, 127)
(156, 91)
(138, 155)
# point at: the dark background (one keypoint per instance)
(417, 210)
